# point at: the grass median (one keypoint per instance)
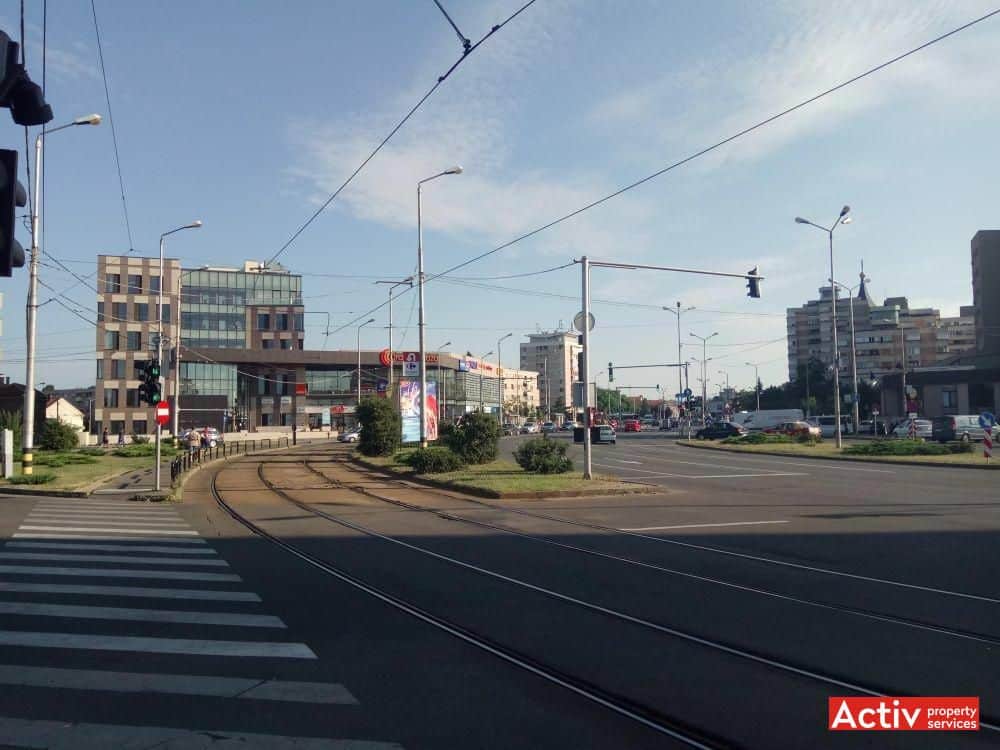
(75, 470)
(829, 450)
(507, 479)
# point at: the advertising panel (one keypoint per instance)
(409, 409)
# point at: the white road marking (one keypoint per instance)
(63, 735)
(816, 463)
(175, 575)
(107, 530)
(133, 591)
(166, 514)
(127, 507)
(181, 684)
(702, 525)
(188, 646)
(103, 538)
(112, 548)
(657, 474)
(34, 609)
(60, 557)
(97, 521)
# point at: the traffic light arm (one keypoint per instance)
(639, 267)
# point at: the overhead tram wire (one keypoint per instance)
(465, 55)
(706, 150)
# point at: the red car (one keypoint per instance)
(632, 425)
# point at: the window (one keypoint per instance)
(135, 283)
(282, 322)
(112, 283)
(286, 343)
(117, 426)
(100, 312)
(301, 343)
(100, 369)
(267, 344)
(263, 322)
(154, 284)
(133, 341)
(286, 419)
(118, 368)
(300, 321)
(265, 419)
(111, 340)
(141, 311)
(139, 426)
(111, 397)
(138, 369)
(119, 311)
(165, 317)
(132, 397)
(949, 399)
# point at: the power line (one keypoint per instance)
(111, 121)
(395, 129)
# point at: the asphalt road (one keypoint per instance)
(722, 611)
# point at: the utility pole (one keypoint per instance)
(704, 374)
(392, 285)
(585, 374)
(756, 381)
(677, 313)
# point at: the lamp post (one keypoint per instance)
(393, 285)
(370, 320)
(500, 375)
(756, 381)
(159, 345)
(677, 313)
(480, 367)
(842, 219)
(704, 374)
(441, 399)
(421, 321)
(854, 354)
(28, 434)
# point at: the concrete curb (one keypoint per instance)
(860, 459)
(640, 489)
(85, 491)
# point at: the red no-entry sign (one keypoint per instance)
(162, 413)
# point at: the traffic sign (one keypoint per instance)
(687, 393)
(987, 420)
(578, 321)
(162, 413)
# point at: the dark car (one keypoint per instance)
(720, 430)
(964, 427)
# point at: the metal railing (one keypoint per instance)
(191, 458)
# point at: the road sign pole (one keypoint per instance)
(585, 373)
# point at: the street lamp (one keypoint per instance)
(159, 349)
(28, 434)
(756, 380)
(481, 377)
(855, 407)
(441, 399)
(677, 313)
(393, 285)
(842, 219)
(500, 374)
(704, 374)
(370, 320)
(421, 322)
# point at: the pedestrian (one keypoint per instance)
(104, 437)
(194, 441)
(121, 436)
(204, 439)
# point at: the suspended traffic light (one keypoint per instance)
(611, 372)
(753, 283)
(12, 197)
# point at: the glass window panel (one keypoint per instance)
(111, 397)
(100, 369)
(135, 283)
(142, 311)
(111, 340)
(133, 341)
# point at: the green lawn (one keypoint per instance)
(79, 476)
(506, 477)
(828, 449)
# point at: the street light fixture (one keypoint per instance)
(841, 219)
(421, 322)
(756, 381)
(370, 320)
(704, 374)
(392, 285)
(677, 313)
(28, 434)
(441, 400)
(481, 377)
(855, 406)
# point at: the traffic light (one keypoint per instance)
(149, 391)
(753, 283)
(12, 196)
(611, 372)
(18, 92)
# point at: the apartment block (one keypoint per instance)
(553, 355)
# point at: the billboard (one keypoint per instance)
(409, 410)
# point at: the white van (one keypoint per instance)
(828, 424)
(765, 418)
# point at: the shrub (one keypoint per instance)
(61, 459)
(140, 439)
(91, 451)
(11, 420)
(434, 460)
(897, 448)
(757, 438)
(144, 449)
(958, 446)
(475, 438)
(806, 439)
(380, 427)
(41, 477)
(543, 456)
(58, 436)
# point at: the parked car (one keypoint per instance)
(606, 434)
(720, 430)
(828, 424)
(213, 436)
(632, 425)
(795, 429)
(924, 429)
(964, 427)
(548, 427)
(569, 425)
(351, 436)
(529, 428)
(765, 418)
(510, 428)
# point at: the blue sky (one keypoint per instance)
(247, 115)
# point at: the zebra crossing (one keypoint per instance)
(88, 587)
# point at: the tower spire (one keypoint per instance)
(862, 290)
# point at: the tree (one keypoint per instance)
(58, 436)
(380, 427)
(474, 438)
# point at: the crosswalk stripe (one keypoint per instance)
(103, 538)
(133, 591)
(105, 513)
(141, 615)
(111, 547)
(115, 521)
(107, 530)
(39, 556)
(124, 507)
(173, 575)
(181, 684)
(187, 646)
(62, 735)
